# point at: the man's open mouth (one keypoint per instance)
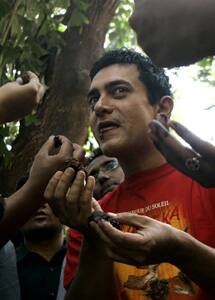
(105, 126)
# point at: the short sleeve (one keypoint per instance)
(72, 256)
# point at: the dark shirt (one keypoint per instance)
(39, 278)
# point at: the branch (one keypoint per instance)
(40, 26)
(10, 22)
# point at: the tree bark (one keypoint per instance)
(64, 110)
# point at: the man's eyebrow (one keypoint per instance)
(114, 83)
(109, 85)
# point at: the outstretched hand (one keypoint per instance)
(197, 162)
(150, 242)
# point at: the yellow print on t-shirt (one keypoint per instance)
(161, 281)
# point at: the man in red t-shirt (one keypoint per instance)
(156, 250)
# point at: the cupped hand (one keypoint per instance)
(70, 196)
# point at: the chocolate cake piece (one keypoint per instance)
(99, 215)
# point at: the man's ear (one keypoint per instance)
(166, 106)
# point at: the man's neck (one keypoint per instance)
(46, 248)
(138, 163)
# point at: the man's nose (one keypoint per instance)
(103, 105)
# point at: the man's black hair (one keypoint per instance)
(153, 77)
(96, 153)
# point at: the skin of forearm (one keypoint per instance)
(95, 278)
(195, 33)
(204, 12)
(16, 102)
(183, 31)
(195, 259)
(18, 209)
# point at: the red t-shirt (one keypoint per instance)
(169, 196)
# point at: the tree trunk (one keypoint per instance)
(64, 110)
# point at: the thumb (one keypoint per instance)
(133, 219)
(96, 205)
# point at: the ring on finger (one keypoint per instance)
(192, 164)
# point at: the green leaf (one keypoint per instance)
(31, 120)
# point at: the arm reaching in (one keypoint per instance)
(22, 204)
(175, 33)
(18, 99)
(155, 242)
(197, 162)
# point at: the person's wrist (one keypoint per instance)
(93, 243)
(35, 188)
(180, 250)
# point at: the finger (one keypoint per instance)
(66, 148)
(34, 80)
(19, 81)
(75, 192)
(33, 77)
(86, 198)
(64, 183)
(96, 206)
(122, 244)
(101, 234)
(50, 189)
(48, 146)
(163, 119)
(202, 147)
(60, 156)
(134, 220)
(41, 92)
(49, 193)
(58, 203)
(182, 158)
(78, 152)
(175, 153)
(159, 131)
(118, 238)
